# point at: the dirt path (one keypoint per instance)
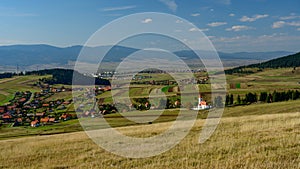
(4, 92)
(8, 79)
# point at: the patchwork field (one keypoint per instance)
(266, 81)
(9, 86)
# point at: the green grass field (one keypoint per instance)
(58, 128)
(9, 86)
(61, 95)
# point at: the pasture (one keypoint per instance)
(260, 141)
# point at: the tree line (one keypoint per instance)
(68, 77)
(265, 97)
(61, 76)
(6, 75)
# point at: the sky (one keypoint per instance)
(231, 25)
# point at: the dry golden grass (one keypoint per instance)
(262, 141)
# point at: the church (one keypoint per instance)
(202, 104)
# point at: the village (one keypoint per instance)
(31, 109)
(52, 102)
(49, 105)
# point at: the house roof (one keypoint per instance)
(6, 116)
(51, 119)
(203, 103)
(34, 122)
(46, 119)
(11, 107)
(22, 99)
(45, 105)
(66, 102)
(40, 114)
(65, 115)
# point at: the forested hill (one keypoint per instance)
(62, 76)
(282, 62)
(66, 76)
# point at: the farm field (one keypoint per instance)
(281, 79)
(9, 86)
(269, 80)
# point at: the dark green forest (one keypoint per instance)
(68, 77)
(264, 97)
(283, 62)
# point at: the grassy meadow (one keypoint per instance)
(261, 141)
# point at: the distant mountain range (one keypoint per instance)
(26, 55)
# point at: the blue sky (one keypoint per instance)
(231, 25)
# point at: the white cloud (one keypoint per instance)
(253, 18)
(271, 36)
(267, 42)
(291, 16)
(193, 29)
(232, 14)
(231, 39)
(195, 14)
(179, 21)
(119, 8)
(280, 24)
(288, 17)
(204, 30)
(215, 24)
(147, 20)
(296, 23)
(237, 28)
(171, 4)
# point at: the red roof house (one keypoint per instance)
(35, 123)
(45, 120)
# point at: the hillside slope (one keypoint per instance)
(267, 141)
(282, 62)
